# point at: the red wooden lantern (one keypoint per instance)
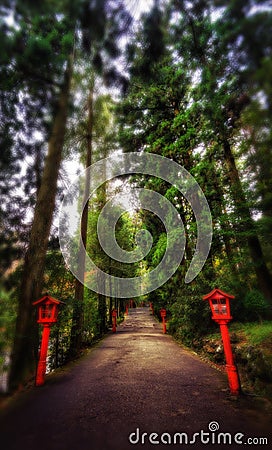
(48, 308)
(114, 320)
(220, 304)
(47, 315)
(163, 312)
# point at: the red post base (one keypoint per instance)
(114, 325)
(163, 326)
(231, 369)
(233, 379)
(41, 369)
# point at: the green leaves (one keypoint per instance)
(204, 101)
(159, 249)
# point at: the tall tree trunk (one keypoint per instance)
(262, 273)
(102, 304)
(216, 203)
(102, 311)
(26, 336)
(78, 310)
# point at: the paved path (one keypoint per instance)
(133, 382)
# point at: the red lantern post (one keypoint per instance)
(151, 307)
(126, 312)
(114, 321)
(163, 316)
(47, 315)
(219, 303)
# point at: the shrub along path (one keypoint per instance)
(133, 382)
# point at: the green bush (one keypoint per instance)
(190, 317)
(255, 305)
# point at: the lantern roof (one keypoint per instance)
(215, 292)
(47, 298)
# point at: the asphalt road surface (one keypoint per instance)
(136, 389)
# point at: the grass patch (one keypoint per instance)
(252, 347)
(255, 333)
(251, 332)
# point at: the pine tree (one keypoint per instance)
(227, 57)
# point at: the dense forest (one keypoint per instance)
(86, 80)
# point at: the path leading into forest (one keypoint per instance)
(133, 383)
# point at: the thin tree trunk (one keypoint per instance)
(102, 310)
(78, 311)
(262, 273)
(102, 304)
(26, 336)
(216, 203)
(110, 310)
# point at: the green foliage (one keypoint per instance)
(256, 333)
(198, 104)
(92, 318)
(190, 315)
(59, 283)
(125, 230)
(159, 249)
(8, 308)
(255, 305)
